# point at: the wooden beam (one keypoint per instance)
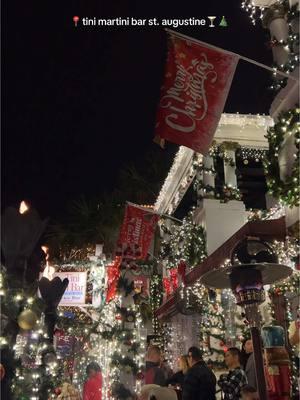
(268, 230)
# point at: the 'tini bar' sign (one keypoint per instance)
(76, 291)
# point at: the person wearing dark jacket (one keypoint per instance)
(246, 351)
(200, 382)
(177, 379)
(154, 374)
(250, 364)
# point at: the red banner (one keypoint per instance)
(196, 85)
(167, 286)
(136, 233)
(174, 278)
(113, 274)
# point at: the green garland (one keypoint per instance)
(187, 243)
(156, 297)
(290, 45)
(291, 284)
(288, 191)
(124, 363)
(227, 193)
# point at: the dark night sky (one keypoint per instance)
(79, 103)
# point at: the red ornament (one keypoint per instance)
(118, 317)
(2, 372)
(167, 286)
(59, 332)
(222, 344)
(174, 278)
(225, 348)
(139, 376)
(57, 391)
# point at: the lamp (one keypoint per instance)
(253, 265)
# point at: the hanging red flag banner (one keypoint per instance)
(196, 84)
(136, 233)
(113, 274)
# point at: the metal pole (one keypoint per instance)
(259, 363)
(249, 60)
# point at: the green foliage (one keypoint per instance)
(186, 242)
(124, 363)
(286, 191)
(86, 223)
(97, 220)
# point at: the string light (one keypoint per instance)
(285, 190)
(156, 295)
(255, 12)
(186, 242)
(275, 212)
(23, 207)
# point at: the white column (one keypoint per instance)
(274, 20)
(200, 192)
(229, 170)
(208, 178)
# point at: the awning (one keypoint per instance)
(268, 230)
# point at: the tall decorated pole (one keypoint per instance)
(127, 287)
(253, 265)
(28, 358)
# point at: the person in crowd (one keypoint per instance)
(92, 389)
(68, 392)
(166, 368)
(250, 364)
(249, 393)
(200, 381)
(154, 373)
(177, 379)
(232, 383)
(246, 351)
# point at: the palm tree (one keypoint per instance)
(91, 221)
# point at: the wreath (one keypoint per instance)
(287, 191)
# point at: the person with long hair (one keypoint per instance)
(177, 379)
(154, 373)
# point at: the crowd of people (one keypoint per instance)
(194, 379)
